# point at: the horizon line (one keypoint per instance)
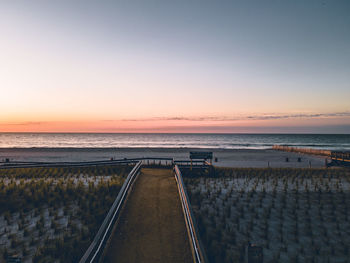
(267, 133)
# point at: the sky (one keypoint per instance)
(175, 66)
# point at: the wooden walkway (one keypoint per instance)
(151, 227)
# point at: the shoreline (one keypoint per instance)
(253, 158)
(130, 148)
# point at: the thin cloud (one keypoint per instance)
(301, 116)
(344, 114)
(26, 123)
(249, 117)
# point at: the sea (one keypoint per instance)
(339, 142)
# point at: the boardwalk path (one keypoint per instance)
(151, 226)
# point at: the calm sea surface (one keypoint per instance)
(225, 141)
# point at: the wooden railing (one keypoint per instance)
(196, 246)
(340, 158)
(15, 164)
(145, 161)
(95, 250)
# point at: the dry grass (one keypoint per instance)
(50, 214)
(296, 215)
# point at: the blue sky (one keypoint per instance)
(215, 61)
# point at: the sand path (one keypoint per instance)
(151, 226)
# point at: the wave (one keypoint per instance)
(213, 141)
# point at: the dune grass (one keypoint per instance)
(296, 215)
(49, 214)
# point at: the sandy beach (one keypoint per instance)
(226, 157)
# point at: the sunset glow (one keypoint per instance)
(174, 67)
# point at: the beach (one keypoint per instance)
(254, 158)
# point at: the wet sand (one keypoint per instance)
(226, 157)
(151, 227)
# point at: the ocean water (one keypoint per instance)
(224, 141)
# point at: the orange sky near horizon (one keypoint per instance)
(177, 66)
(176, 124)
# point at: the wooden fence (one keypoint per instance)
(302, 150)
